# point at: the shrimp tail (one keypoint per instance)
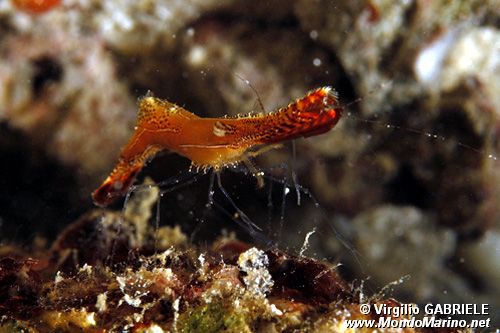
(122, 177)
(117, 184)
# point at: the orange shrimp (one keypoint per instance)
(36, 6)
(213, 142)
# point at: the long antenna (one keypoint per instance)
(253, 89)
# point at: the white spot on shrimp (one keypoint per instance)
(218, 130)
(118, 185)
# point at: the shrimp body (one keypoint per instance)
(213, 142)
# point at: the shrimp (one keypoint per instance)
(213, 143)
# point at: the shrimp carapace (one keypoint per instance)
(214, 142)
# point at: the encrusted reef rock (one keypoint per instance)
(110, 272)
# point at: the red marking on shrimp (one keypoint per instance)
(36, 6)
(214, 142)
